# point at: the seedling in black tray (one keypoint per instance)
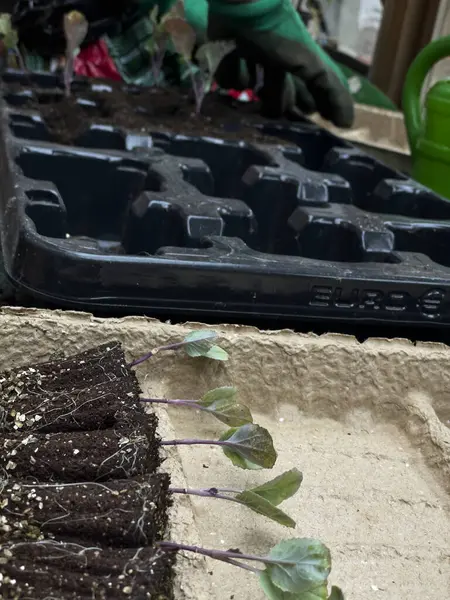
(201, 69)
(75, 30)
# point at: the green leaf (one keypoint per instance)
(182, 34)
(10, 37)
(200, 343)
(311, 565)
(264, 507)
(281, 488)
(221, 402)
(250, 443)
(336, 594)
(216, 353)
(274, 593)
(75, 28)
(210, 55)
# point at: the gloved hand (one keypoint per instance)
(272, 34)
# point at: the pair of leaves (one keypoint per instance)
(209, 56)
(249, 447)
(201, 343)
(265, 498)
(174, 25)
(319, 593)
(299, 572)
(221, 403)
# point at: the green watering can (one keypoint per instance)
(429, 135)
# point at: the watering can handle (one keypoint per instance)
(415, 79)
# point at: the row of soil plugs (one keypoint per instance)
(295, 569)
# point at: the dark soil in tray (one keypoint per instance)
(60, 570)
(130, 512)
(82, 504)
(151, 110)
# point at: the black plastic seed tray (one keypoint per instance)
(186, 226)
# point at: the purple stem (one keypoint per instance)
(157, 61)
(190, 403)
(68, 73)
(20, 60)
(203, 494)
(196, 442)
(199, 90)
(223, 554)
(259, 83)
(236, 563)
(142, 359)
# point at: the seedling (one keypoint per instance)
(208, 57)
(220, 402)
(75, 30)
(157, 45)
(263, 499)
(195, 344)
(295, 569)
(10, 41)
(248, 447)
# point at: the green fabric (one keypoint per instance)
(277, 17)
(130, 54)
(130, 49)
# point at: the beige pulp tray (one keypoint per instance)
(364, 422)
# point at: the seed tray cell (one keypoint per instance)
(165, 223)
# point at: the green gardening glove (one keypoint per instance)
(271, 33)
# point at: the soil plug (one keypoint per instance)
(220, 402)
(121, 513)
(96, 407)
(262, 499)
(295, 569)
(248, 447)
(72, 569)
(126, 451)
(104, 364)
(75, 30)
(195, 344)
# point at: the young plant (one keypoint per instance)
(195, 344)
(220, 402)
(248, 447)
(157, 45)
(263, 499)
(208, 56)
(10, 42)
(75, 30)
(295, 569)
